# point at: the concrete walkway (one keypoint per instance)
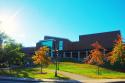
(84, 79)
(28, 80)
(74, 76)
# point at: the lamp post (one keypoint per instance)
(56, 61)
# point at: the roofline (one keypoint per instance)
(56, 37)
(29, 47)
(45, 40)
(101, 33)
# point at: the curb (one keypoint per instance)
(20, 79)
(37, 80)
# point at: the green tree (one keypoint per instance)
(10, 52)
(13, 53)
(41, 57)
(3, 38)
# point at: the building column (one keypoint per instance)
(78, 55)
(51, 54)
(87, 53)
(70, 54)
(64, 54)
(104, 52)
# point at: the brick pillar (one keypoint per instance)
(64, 55)
(87, 53)
(78, 55)
(51, 54)
(70, 54)
(104, 52)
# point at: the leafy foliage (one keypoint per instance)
(96, 56)
(10, 53)
(118, 52)
(3, 36)
(41, 57)
(13, 54)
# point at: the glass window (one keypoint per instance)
(47, 43)
(60, 45)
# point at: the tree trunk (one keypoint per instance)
(98, 70)
(41, 69)
(9, 66)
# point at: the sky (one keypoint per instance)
(28, 21)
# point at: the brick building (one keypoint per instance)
(78, 49)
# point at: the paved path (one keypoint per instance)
(84, 79)
(74, 76)
(74, 79)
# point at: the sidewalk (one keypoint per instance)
(85, 79)
(19, 79)
(74, 76)
(74, 79)
(28, 80)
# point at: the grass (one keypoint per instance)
(32, 73)
(89, 70)
(76, 68)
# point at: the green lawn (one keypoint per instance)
(82, 69)
(32, 73)
(88, 70)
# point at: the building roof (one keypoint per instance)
(58, 38)
(29, 50)
(106, 39)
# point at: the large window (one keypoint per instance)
(60, 45)
(48, 43)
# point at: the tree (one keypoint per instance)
(3, 37)
(41, 57)
(10, 52)
(13, 54)
(96, 56)
(118, 52)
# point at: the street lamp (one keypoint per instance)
(56, 57)
(56, 63)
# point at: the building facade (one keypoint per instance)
(78, 50)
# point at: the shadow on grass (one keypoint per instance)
(61, 78)
(4, 72)
(24, 73)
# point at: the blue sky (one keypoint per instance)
(27, 21)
